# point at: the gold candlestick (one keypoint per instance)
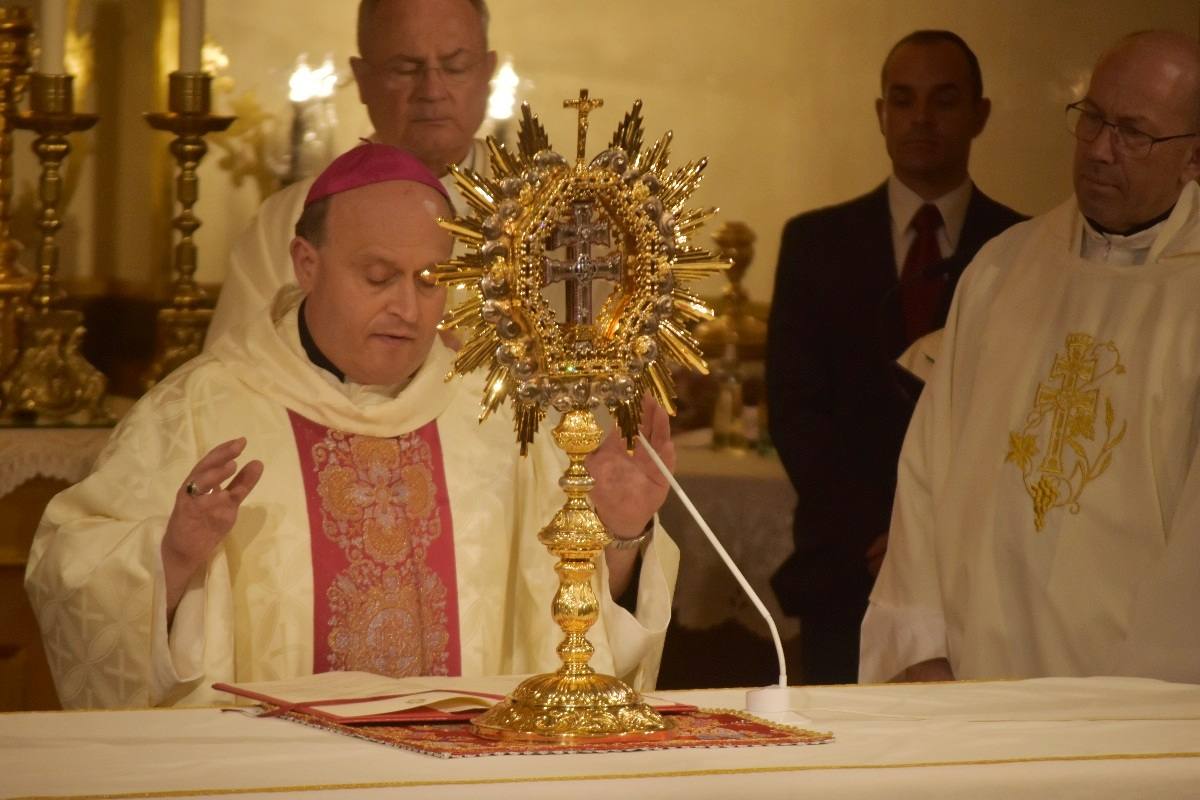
(52, 117)
(181, 327)
(620, 219)
(50, 381)
(15, 27)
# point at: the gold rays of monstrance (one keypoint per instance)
(536, 222)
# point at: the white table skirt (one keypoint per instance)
(66, 453)
(1056, 738)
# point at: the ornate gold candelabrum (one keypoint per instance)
(181, 327)
(50, 381)
(15, 27)
(540, 221)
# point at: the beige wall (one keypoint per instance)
(780, 93)
(777, 93)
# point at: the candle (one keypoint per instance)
(191, 34)
(53, 36)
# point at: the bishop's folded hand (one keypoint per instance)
(203, 514)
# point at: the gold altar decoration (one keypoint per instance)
(15, 28)
(736, 321)
(50, 381)
(619, 218)
(181, 327)
(733, 336)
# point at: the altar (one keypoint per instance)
(1091, 738)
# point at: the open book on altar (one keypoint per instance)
(358, 698)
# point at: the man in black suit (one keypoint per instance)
(856, 284)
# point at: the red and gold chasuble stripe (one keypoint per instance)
(384, 592)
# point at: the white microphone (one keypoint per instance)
(768, 699)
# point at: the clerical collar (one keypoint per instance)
(1131, 249)
(1136, 229)
(310, 346)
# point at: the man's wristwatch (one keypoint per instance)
(636, 542)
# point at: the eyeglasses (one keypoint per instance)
(1086, 125)
(404, 73)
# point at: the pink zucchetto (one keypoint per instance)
(369, 163)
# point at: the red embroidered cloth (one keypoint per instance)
(700, 728)
(384, 592)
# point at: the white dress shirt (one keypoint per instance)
(1112, 248)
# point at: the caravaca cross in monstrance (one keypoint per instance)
(578, 235)
(625, 201)
(580, 267)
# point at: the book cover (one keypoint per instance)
(361, 698)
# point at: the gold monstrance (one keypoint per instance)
(538, 222)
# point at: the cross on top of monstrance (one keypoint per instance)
(533, 206)
(584, 105)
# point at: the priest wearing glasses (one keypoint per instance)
(1047, 518)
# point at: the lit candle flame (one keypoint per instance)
(504, 92)
(307, 83)
(212, 57)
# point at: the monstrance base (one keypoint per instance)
(569, 708)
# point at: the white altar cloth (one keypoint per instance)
(1087, 738)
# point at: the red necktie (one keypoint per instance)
(920, 292)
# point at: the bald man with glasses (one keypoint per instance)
(1047, 515)
(1087, 123)
(423, 73)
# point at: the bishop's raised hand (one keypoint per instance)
(204, 513)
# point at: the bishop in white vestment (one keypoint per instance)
(388, 530)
